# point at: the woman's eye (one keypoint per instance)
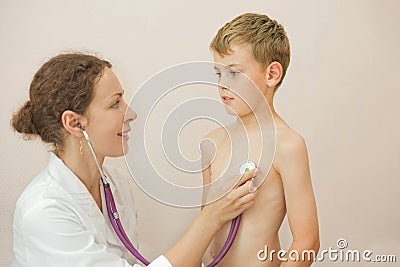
(234, 73)
(115, 105)
(218, 74)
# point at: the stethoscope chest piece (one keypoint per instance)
(245, 166)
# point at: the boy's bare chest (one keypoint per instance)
(233, 150)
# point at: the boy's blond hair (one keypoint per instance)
(267, 39)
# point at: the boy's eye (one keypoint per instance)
(115, 105)
(218, 74)
(234, 73)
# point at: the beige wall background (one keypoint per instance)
(341, 93)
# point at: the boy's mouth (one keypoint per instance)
(226, 99)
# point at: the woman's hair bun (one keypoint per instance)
(22, 120)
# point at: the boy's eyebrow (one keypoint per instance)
(233, 64)
(230, 66)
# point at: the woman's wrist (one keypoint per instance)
(211, 218)
(189, 250)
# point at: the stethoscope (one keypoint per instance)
(119, 230)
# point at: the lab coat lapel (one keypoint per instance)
(81, 196)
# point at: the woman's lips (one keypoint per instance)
(124, 135)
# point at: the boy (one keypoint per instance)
(257, 47)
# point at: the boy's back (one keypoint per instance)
(287, 186)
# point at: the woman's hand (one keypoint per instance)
(240, 198)
(189, 250)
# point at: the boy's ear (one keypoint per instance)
(72, 123)
(274, 74)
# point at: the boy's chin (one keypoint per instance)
(231, 111)
(237, 113)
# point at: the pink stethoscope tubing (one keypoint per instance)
(119, 230)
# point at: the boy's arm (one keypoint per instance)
(206, 171)
(207, 149)
(208, 255)
(291, 162)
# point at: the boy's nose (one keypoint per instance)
(223, 84)
(222, 88)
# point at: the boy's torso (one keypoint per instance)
(260, 224)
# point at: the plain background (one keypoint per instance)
(341, 93)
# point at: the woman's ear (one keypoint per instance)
(274, 74)
(71, 122)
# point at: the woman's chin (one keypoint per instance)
(122, 152)
(125, 149)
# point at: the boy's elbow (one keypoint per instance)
(311, 243)
(316, 245)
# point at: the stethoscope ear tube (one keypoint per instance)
(228, 243)
(112, 209)
(119, 230)
(243, 167)
(102, 176)
(116, 224)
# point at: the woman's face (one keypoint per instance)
(108, 117)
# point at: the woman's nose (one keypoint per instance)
(130, 115)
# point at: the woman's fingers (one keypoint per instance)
(242, 190)
(242, 196)
(247, 201)
(245, 189)
(246, 176)
(244, 201)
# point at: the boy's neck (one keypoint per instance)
(250, 121)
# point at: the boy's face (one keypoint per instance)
(241, 79)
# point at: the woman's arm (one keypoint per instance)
(189, 250)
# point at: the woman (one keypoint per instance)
(61, 217)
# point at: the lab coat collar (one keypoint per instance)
(70, 183)
(79, 193)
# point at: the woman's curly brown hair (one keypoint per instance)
(65, 82)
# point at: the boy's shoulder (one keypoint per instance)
(290, 146)
(217, 134)
(288, 139)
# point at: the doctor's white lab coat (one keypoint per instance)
(57, 222)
